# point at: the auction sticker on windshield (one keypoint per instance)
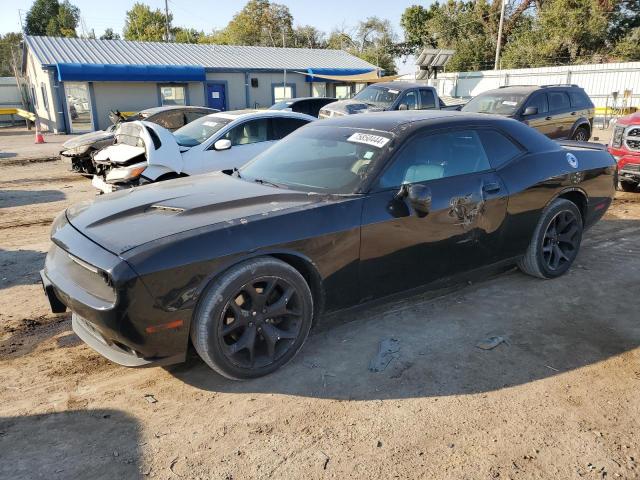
(368, 139)
(210, 124)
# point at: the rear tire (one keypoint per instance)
(581, 134)
(555, 242)
(628, 186)
(253, 319)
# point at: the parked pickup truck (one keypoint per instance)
(625, 148)
(385, 96)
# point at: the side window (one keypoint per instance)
(558, 101)
(284, 126)
(499, 148)
(539, 101)
(410, 99)
(427, 99)
(301, 107)
(253, 131)
(171, 120)
(429, 157)
(45, 99)
(579, 99)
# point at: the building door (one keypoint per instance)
(78, 106)
(216, 96)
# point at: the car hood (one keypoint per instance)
(87, 139)
(165, 151)
(349, 107)
(129, 218)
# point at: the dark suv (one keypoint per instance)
(558, 111)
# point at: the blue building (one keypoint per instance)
(74, 82)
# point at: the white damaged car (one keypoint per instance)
(144, 152)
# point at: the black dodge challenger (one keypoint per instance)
(338, 213)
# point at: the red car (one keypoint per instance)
(625, 147)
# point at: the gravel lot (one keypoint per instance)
(559, 399)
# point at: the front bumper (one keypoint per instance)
(113, 319)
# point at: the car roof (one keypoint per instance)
(390, 121)
(154, 110)
(526, 89)
(399, 85)
(249, 113)
(299, 99)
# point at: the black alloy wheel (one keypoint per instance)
(561, 240)
(260, 322)
(253, 318)
(555, 241)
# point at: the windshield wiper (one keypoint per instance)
(262, 181)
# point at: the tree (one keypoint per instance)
(145, 24)
(9, 53)
(628, 48)
(187, 35)
(49, 17)
(110, 35)
(306, 36)
(258, 23)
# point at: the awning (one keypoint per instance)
(363, 76)
(98, 72)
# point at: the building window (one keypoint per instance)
(45, 99)
(173, 95)
(281, 92)
(318, 89)
(360, 86)
(343, 91)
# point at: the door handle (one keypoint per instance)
(547, 118)
(492, 187)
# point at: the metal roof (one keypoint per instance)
(54, 50)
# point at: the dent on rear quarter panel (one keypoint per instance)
(178, 268)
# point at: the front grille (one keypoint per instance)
(634, 132)
(633, 144)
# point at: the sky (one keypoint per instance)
(215, 14)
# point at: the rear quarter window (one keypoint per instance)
(579, 99)
(498, 147)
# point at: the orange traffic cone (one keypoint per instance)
(39, 136)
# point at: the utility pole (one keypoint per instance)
(499, 42)
(166, 17)
(284, 78)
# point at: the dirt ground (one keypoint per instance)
(560, 399)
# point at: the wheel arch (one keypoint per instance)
(304, 265)
(577, 196)
(581, 122)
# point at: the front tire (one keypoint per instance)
(555, 242)
(253, 319)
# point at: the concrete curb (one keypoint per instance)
(11, 162)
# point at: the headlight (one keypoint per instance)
(126, 173)
(79, 150)
(58, 222)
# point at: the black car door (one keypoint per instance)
(401, 248)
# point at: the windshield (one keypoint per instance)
(281, 105)
(498, 103)
(199, 130)
(318, 159)
(379, 96)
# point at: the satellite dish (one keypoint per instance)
(431, 60)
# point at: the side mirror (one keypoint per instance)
(530, 111)
(403, 106)
(419, 197)
(222, 144)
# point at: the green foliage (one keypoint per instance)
(145, 24)
(628, 48)
(49, 17)
(187, 35)
(258, 23)
(536, 32)
(9, 53)
(109, 35)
